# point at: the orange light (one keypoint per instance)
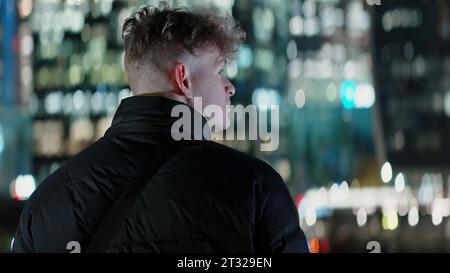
(314, 246)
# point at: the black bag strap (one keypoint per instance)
(112, 221)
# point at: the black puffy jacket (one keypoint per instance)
(208, 198)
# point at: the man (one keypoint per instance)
(189, 195)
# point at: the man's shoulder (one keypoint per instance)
(55, 188)
(237, 159)
(245, 167)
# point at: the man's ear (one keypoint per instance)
(183, 84)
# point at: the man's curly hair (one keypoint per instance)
(162, 32)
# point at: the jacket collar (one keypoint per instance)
(152, 114)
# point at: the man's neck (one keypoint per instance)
(166, 94)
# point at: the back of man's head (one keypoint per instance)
(156, 38)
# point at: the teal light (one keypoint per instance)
(264, 98)
(348, 90)
(245, 56)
